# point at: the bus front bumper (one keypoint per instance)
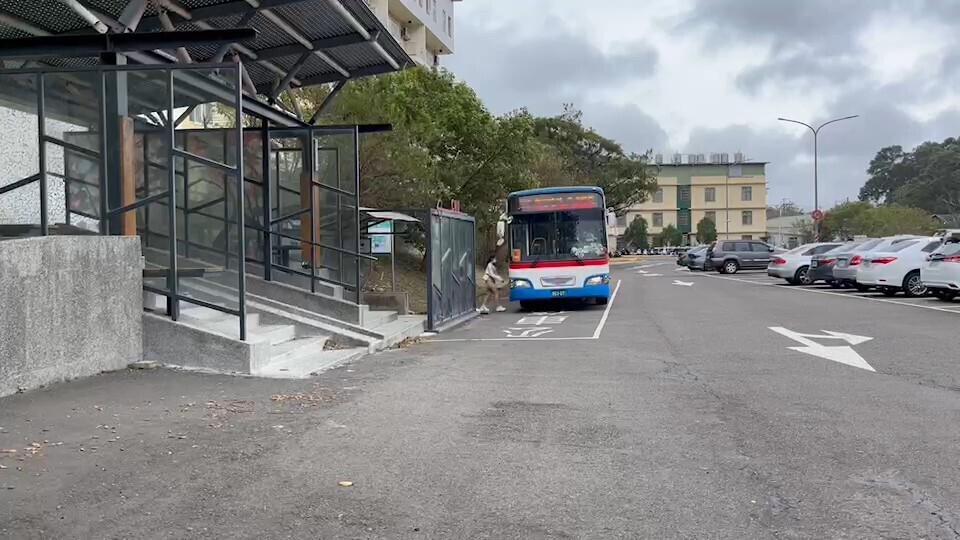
(588, 291)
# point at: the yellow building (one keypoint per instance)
(733, 195)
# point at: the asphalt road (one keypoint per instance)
(675, 413)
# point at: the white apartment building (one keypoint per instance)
(423, 27)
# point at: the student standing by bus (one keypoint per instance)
(491, 283)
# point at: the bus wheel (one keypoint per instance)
(526, 305)
(602, 301)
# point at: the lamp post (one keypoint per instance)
(816, 193)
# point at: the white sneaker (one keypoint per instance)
(501, 309)
(484, 310)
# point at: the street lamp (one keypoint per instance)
(816, 131)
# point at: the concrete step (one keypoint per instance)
(275, 334)
(289, 350)
(372, 319)
(310, 363)
(403, 327)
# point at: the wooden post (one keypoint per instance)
(128, 176)
(308, 192)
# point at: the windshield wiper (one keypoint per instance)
(578, 259)
(536, 260)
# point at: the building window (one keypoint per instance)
(658, 219)
(443, 20)
(736, 171)
(658, 196)
(710, 194)
(434, 10)
(683, 218)
(747, 237)
(428, 6)
(684, 195)
(450, 26)
(746, 193)
(712, 216)
(746, 217)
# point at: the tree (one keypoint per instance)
(587, 158)
(926, 178)
(862, 218)
(786, 209)
(636, 234)
(671, 236)
(706, 231)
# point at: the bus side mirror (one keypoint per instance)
(501, 232)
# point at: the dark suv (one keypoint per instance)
(729, 256)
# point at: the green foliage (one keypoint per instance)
(785, 209)
(856, 218)
(926, 178)
(636, 235)
(573, 154)
(706, 231)
(670, 236)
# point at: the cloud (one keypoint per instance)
(634, 129)
(805, 69)
(512, 68)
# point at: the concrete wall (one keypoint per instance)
(70, 306)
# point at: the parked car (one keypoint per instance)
(730, 256)
(941, 271)
(897, 267)
(821, 265)
(697, 258)
(845, 269)
(794, 265)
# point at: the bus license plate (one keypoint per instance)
(558, 294)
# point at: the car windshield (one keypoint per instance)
(901, 246)
(843, 248)
(578, 234)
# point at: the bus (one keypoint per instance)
(557, 245)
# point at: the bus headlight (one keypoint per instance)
(599, 280)
(519, 284)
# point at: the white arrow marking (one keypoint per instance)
(843, 354)
(654, 275)
(641, 271)
(684, 283)
(682, 270)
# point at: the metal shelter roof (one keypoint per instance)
(299, 43)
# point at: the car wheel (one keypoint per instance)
(835, 284)
(888, 291)
(791, 281)
(913, 286)
(861, 288)
(803, 276)
(731, 267)
(945, 295)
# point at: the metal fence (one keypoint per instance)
(452, 272)
(109, 150)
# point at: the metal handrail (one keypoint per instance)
(20, 183)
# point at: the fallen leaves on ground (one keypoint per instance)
(314, 397)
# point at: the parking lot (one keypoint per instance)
(760, 278)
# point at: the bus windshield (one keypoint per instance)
(557, 236)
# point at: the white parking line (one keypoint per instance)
(596, 333)
(955, 311)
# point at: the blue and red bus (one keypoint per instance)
(557, 240)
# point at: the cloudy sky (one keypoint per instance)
(713, 76)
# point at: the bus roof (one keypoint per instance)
(547, 191)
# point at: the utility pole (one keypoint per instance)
(816, 193)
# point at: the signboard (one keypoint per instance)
(381, 237)
(556, 202)
(817, 215)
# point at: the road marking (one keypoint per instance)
(606, 312)
(849, 294)
(536, 331)
(595, 336)
(843, 354)
(652, 275)
(642, 272)
(684, 283)
(682, 270)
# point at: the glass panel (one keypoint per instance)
(20, 207)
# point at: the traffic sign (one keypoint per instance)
(817, 215)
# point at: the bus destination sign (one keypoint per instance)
(557, 202)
